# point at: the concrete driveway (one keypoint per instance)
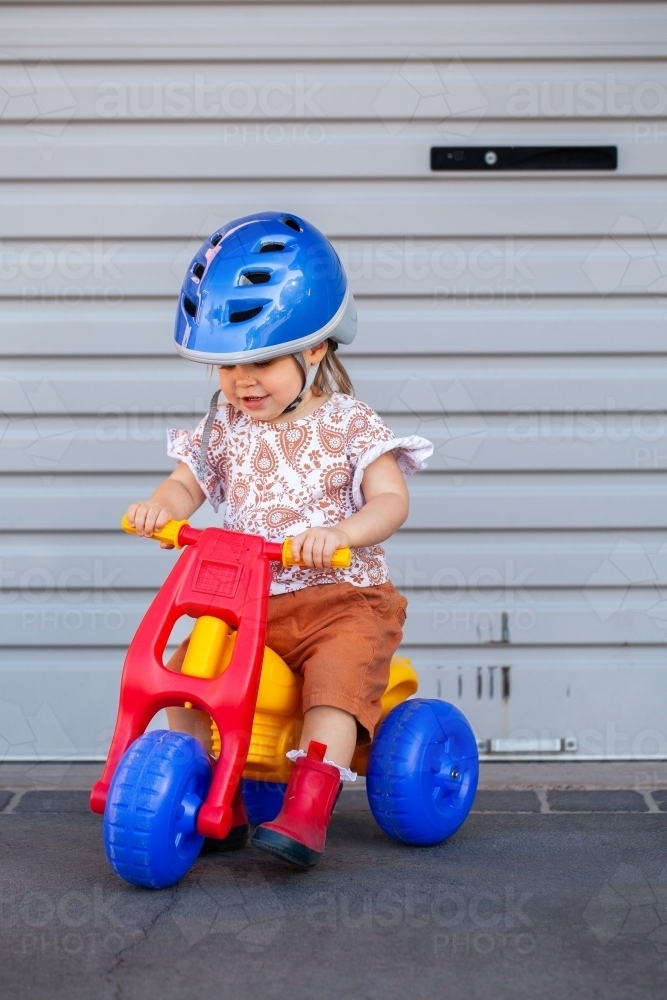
(554, 889)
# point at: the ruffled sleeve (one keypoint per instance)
(185, 446)
(369, 437)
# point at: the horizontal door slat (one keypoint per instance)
(543, 618)
(455, 205)
(515, 267)
(122, 441)
(144, 390)
(442, 563)
(334, 31)
(470, 325)
(442, 91)
(548, 501)
(304, 150)
(549, 660)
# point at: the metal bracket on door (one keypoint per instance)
(558, 744)
(524, 158)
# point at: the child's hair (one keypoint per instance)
(331, 375)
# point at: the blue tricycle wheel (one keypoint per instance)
(422, 772)
(150, 820)
(262, 799)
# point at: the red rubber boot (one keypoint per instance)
(299, 831)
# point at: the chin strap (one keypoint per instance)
(309, 377)
(206, 436)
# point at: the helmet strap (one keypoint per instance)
(309, 378)
(202, 467)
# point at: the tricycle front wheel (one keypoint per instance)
(150, 820)
(423, 769)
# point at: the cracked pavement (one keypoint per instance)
(520, 903)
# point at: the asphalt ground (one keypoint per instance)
(546, 892)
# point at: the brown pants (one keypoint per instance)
(341, 639)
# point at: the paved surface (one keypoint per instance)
(547, 892)
(640, 776)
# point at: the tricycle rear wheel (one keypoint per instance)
(150, 820)
(263, 800)
(423, 769)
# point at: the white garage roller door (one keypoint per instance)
(516, 319)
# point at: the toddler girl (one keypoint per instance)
(292, 452)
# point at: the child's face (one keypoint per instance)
(262, 390)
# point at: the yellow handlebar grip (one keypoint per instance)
(341, 558)
(169, 533)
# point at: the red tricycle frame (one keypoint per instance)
(226, 575)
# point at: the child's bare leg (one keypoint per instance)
(193, 722)
(334, 727)
(298, 833)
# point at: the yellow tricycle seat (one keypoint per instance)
(278, 716)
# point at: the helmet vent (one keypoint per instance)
(255, 278)
(215, 239)
(271, 247)
(244, 314)
(189, 306)
(292, 223)
(198, 271)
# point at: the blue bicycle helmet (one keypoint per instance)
(261, 287)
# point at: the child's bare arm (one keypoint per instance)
(387, 504)
(176, 498)
(386, 508)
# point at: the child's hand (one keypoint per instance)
(147, 517)
(316, 546)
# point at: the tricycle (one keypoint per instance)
(162, 793)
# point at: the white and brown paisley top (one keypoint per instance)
(279, 479)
